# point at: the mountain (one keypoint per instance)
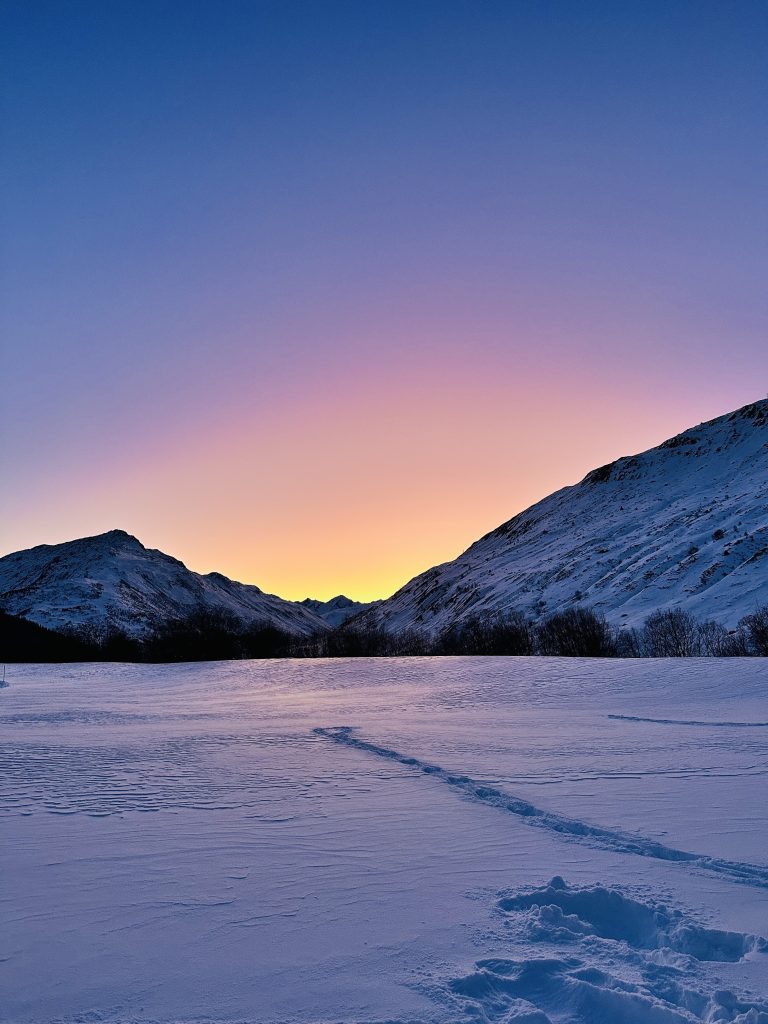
(338, 609)
(684, 525)
(111, 583)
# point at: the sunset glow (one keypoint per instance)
(320, 314)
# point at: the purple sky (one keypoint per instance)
(316, 293)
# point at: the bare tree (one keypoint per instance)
(497, 633)
(673, 633)
(718, 642)
(756, 627)
(576, 633)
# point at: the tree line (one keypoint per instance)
(578, 632)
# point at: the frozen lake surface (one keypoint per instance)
(434, 840)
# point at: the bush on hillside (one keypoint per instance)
(672, 633)
(498, 633)
(576, 633)
(25, 641)
(756, 628)
(208, 635)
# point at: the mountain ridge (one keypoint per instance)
(337, 610)
(684, 524)
(111, 583)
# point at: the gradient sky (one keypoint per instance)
(316, 293)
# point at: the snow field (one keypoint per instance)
(430, 840)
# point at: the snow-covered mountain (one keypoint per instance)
(112, 583)
(682, 525)
(338, 609)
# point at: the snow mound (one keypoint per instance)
(624, 965)
(561, 911)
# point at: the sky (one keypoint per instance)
(316, 293)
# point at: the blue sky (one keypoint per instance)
(229, 227)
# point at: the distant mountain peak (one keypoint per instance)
(340, 601)
(336, 610)
(121, 537)
(111, 583)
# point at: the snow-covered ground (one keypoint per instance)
(436, 840)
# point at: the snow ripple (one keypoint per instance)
(215, 772)
(580, 831)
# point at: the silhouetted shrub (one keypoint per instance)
(25, 641)
(412, 643)
(627, 643)
(718, 642)
(265, 641)
(498, 633)
(756, 629)
(673, 633)
(117, 647)
(357, 642)
(576, 633)
(215, 636)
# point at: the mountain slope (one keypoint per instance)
(112, 583)
(337, 609)
(682, 525)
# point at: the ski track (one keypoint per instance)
(580, 831)
(690, 721)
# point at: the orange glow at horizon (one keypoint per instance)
(315, 295)
(358, 486)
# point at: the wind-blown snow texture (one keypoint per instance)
(112, 583)
(547, 841)
(684, 525)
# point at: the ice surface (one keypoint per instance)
(436, 840)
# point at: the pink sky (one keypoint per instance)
(316, 294)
